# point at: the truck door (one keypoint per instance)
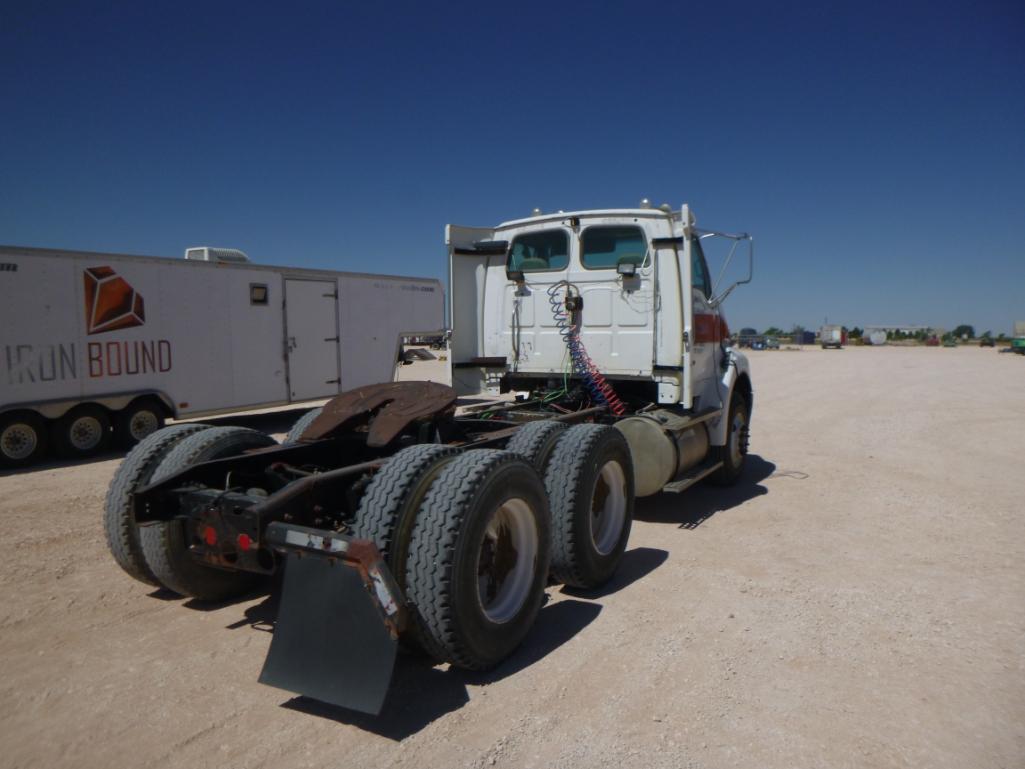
(311, 338)
(707, 334)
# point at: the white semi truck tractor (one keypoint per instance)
(591, 364)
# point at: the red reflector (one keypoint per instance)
(244, 542)
(210, 535)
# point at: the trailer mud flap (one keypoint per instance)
(336, 635)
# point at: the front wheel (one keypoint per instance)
(734, 453)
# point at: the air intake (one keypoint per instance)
(208, 254)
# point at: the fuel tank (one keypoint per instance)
(663, 445)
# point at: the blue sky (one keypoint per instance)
(875, 150)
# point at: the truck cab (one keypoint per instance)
(633, 283)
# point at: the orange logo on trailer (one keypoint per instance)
(110, 302)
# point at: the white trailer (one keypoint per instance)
(832, 336)
(97, 346)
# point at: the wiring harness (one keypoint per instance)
(599, 388)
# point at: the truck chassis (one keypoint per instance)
(394, 519)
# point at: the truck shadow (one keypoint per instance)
(691, 508)
(420, 694)
(636, 564)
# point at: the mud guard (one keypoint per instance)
(340, 615)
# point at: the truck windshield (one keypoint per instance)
(540, 251)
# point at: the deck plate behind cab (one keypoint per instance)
(397, 405)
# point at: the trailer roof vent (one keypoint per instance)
(208, 254)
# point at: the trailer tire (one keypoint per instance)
(82, 432)
(591, 464)
(300, 426)
(478, 559)
(22, 438)
(140, 419)
(733, 454)
(164, 544)
(133, 473)
(535, 442)
(387, 513)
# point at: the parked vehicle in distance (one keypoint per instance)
(771, 343)
(832, 336)
(99, 347)
(987, 341)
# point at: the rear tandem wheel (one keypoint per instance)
(164, 544)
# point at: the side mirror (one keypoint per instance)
(719, 298)
(626, 269)
(516, 276)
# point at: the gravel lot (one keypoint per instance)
(859, 600)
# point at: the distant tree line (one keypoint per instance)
(964, 331)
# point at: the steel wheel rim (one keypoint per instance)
(608, 507)
(18, 441)
(142, 423)
(85, 433)
(738, 438)
(506, 561)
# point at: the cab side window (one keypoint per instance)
(542, 251)
(699, 269)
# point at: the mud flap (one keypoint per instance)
(336, 635)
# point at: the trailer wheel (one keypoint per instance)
(733, 454)
(300, 426)
(140, 419)
(535, 442)
(164, 544)
(590, 486)
(83, 431)
(22, 438)
(387, 512)
(478, 559)
(131, 475)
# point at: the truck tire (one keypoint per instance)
(387, 512)
(590, 486)
(22, 438)
(478, 559)
(132, 474)
(733, 454)
(82, 432)
(535, 442)
(140, 419)
(300, 426)
(164, 544)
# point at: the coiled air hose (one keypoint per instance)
(599, 388)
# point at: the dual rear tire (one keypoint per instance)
(473, 537)
(158, 554)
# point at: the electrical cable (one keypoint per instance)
(599, 388)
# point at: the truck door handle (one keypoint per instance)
(291, 343)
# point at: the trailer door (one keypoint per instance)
(311, 338)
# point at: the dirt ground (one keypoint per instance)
(859, 600)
